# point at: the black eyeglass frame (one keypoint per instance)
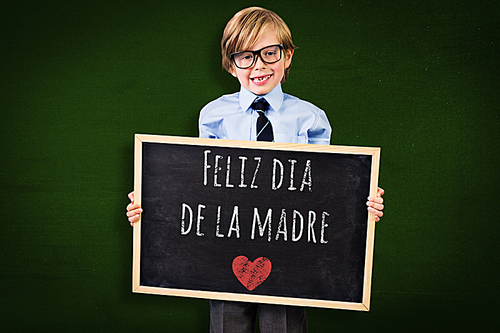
(257, 53)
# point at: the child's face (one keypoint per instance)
(261, 78)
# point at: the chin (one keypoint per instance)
(260, 90)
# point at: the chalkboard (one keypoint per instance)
(251, 221)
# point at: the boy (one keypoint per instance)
(257, 49)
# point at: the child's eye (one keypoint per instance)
(245, 56)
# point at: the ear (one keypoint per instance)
(288, 57)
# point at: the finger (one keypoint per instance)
(132, 206)
(380, 192)
(378, 205)
(379, 200)
(134, 212)
(375, 212)
(134, 219)
(131, 196)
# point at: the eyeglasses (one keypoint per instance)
(269, 54)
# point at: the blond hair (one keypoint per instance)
(246, 27)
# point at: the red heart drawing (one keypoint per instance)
(251, 274)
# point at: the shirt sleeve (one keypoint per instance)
(207, 126)
(320, 132)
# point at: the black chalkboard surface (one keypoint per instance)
(251, 221)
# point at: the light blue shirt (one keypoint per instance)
(293, 120)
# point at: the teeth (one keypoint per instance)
(260, 79)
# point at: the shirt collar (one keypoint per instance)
(274, 98)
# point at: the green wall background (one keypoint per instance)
(418, 78)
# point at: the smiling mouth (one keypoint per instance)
(260, 79)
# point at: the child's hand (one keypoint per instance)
(376, 205)
(133, 211)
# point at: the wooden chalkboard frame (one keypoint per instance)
(364, 305)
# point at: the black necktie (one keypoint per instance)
(264, 127)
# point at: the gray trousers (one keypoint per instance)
(240, 317)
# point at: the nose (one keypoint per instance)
(259, 63)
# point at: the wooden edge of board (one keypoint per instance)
(136, 257)
(257, 144)
(137, 288)
(252, 298)
(370, 236)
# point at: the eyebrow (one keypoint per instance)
(278, 45)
